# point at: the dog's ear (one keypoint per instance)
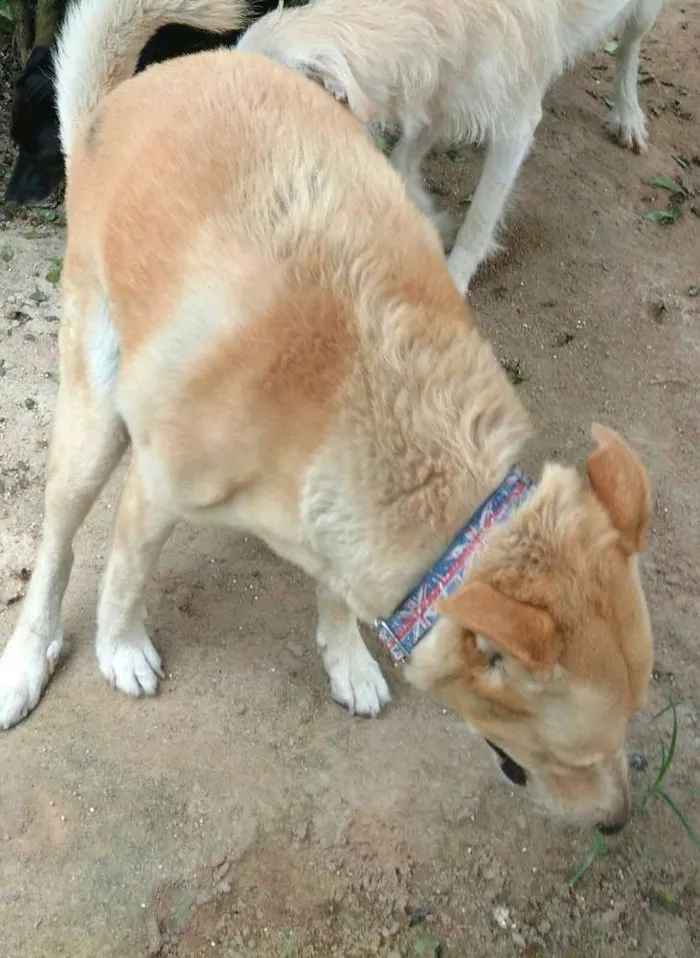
(333, 73)
(621, 484)
(512, 628)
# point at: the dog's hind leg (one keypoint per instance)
(476, 237)
(626, 122)
(125, 653)
(414, 144)
(88, 440)
(356, 679)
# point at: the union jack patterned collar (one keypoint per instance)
(416, 615)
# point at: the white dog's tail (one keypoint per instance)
(101, 40)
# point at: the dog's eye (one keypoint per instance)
(492, 655)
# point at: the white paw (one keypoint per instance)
(132, 666)
(357, 681)
(24, 671)
(628, 127)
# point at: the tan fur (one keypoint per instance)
(562, 556)
(252, 298)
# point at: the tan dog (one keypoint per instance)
(458, 70)
(253, 303)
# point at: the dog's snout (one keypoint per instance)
(615, 824)
(618, 812)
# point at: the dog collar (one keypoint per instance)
(416, 615)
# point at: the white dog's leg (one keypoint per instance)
(626, 122)
(476, 237)
(125, 653)
(356, 679)
(88, 440)
(407, 157)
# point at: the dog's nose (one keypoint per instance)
(619, 815)
(610, 829)
(615, 826)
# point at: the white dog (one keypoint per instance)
(469, 70)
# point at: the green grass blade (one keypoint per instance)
(596, 848)
(667, 755)
(679, 815)
(670, 754)
(663, 711)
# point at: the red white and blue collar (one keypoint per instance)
(416, 615)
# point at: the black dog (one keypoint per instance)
(39, 168)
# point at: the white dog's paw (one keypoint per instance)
(131, 666)
(628, 127)
(24, 671)
(357, 682)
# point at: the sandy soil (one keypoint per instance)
(240, 812)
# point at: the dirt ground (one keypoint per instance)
(240, 812)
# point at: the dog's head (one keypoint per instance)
(547, 650)
(39, 168)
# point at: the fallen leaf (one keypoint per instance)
(665, 182)
(666, 217)
(54, 273)
(38, 296)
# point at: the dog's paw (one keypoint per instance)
(628, 127)
(24, 671)
(131, 666)
(357, 682)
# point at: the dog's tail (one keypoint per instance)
(101, 40)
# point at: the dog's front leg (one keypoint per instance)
(476, 237)
(626, 122)
(414, 144)
(125, 653)
(356, 679)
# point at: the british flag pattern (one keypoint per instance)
(416, 615)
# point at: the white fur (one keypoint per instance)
(356, 679)
(131, 666)
(102, 352)
(469, 70)
(100, 43)
(25, 668)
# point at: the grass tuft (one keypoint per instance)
(654, 793)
